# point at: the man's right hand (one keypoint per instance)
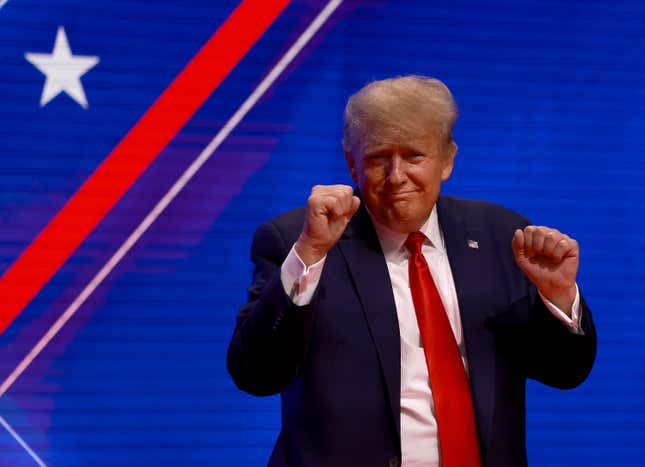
(329, 209)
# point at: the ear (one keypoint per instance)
(351, 165)
(449, 162)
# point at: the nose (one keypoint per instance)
(395, 174)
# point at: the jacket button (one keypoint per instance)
(394, 462)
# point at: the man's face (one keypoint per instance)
(400, 181)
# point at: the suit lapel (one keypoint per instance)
(361, 249)
(466, 254)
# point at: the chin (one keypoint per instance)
(403, 224)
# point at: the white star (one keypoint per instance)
(63, 70)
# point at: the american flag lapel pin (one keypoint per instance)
(473, 244)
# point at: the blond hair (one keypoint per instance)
(402, 109)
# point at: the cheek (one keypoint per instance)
(423, 176)
(369, 179)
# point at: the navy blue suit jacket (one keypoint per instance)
(336, 361)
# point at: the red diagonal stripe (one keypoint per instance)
(140, 146)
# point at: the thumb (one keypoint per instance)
(518, 245)
(356, 202)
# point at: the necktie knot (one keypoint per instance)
(414, 242)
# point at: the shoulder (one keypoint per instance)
(279, 233)
(289, 220)
(480, 213)
(288, 224)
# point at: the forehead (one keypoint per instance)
(426, 140)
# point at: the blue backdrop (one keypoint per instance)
(552, 124)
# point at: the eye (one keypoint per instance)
(415, 156)
(376, 158)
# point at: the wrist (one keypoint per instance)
(308, 253)
(562, 299)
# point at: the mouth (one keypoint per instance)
(399, 195)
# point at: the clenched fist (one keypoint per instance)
(550, 260)
(329, 209)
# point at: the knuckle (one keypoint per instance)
(315, 201)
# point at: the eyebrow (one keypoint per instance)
(403, 149)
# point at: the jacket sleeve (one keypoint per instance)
(542, 347)
(554, 355)
(271, 333)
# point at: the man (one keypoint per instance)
(399, 325)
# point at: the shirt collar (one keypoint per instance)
(392, 241)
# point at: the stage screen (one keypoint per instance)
(142, 144)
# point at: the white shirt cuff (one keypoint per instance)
(299, 280)
(573, 322)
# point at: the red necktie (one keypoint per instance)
(450, 389)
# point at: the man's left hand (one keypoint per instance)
(550, 260)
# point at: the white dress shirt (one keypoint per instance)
(419, 436)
